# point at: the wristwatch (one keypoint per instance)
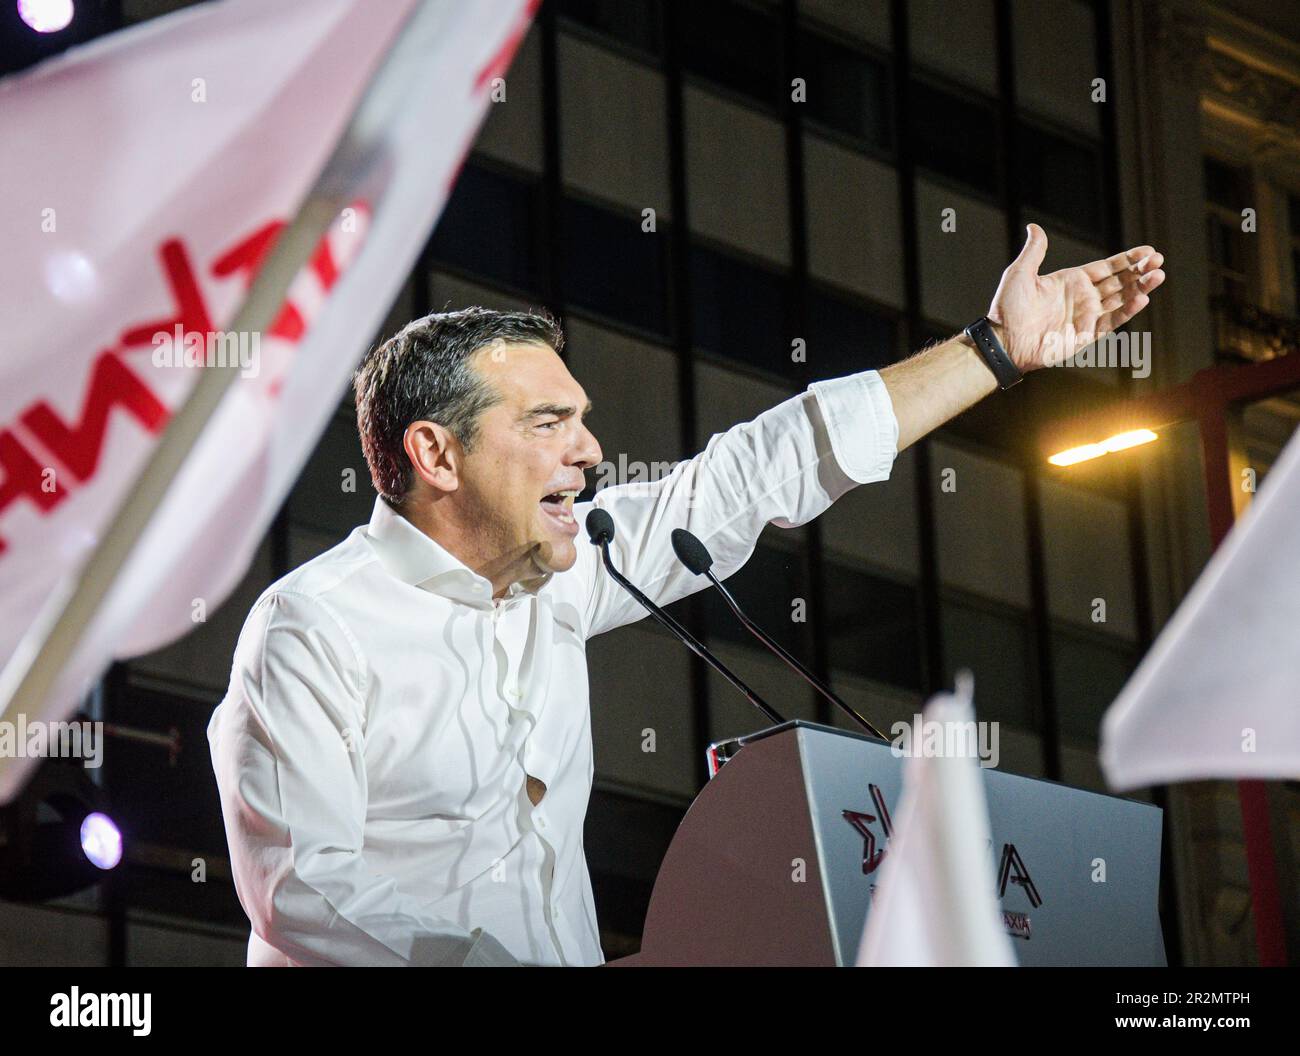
(992, 352)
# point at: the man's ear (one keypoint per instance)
(435, 455)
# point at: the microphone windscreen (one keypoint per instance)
(691, 552)
(600, 526)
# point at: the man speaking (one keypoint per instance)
(404, 754)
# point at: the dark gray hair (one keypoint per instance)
(425, 372)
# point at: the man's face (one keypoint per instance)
(526, 466)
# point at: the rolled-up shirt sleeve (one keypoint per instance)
(785, 467)
(287, 747)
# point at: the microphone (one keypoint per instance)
(696, 557)
(600, 530)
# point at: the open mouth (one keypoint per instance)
(558, 506)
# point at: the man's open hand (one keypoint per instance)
(1045, 319)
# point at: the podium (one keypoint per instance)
(776, 860)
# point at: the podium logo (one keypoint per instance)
(862, 821)
(76, 1009)
(1013, 871)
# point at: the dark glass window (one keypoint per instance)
(1061, 177)
(1226, 249)
(635, 22)
(996, 649)
(1226, 195)
(873, 625)
(735, 46)
(955, 137)
(847, 91)
(489, 228)
(740, 311)
(613, 267)
(766, 588)
(844, 338)
(1225, 185)
(1087, 677)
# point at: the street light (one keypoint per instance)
(1118, 442)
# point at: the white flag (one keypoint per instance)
(935, 903)
(142, 182)
(1218, 695)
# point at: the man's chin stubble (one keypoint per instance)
(546, 561)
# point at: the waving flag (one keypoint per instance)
(146, 181)
(935, 905)
(1218, 695)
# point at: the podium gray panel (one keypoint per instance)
(1077, 871)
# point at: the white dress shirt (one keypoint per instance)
(384, 712)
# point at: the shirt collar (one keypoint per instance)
(414, 558)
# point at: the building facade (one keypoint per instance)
(725, 201)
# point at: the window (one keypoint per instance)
(855, 238)
(639, 677)
(847, 91)
(736, 182)
(1226, 195)
(877, 524)
(735, 46)
(960, 266)
(873, 626)
(1061, 177)
(1087, 674)
(1055, 49)
(617, 371)
(740, 311)
(766, 588)
(635, 22)
(955, 137)
(613, 126)
(489, 227)
(994, 645)
(976, 500)
(613, 267)
(1086, 559)
(844, 338)
(958, 40)
(513, 134)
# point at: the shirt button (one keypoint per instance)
(512, 692)
(541, 823)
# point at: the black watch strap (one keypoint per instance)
(990, 348)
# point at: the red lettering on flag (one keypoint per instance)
(191, 312)
(24, 477)
(79, 446)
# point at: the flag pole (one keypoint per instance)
(48, 645)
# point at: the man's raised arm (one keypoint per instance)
(791, 462)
